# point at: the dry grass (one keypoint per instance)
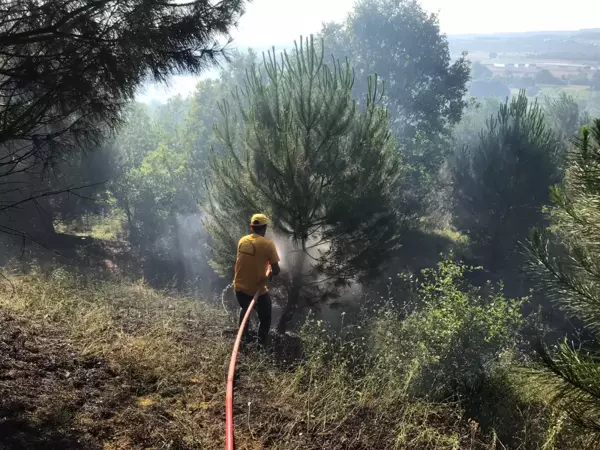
(98, 226)
(171, 354)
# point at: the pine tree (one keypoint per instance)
(566, 262)
(300, 149)
(69, 66)
(501, 185)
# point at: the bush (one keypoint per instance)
(489, 88)
(454, 330)
(546, 77)
(450, 341)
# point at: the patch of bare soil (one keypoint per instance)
(51, 397)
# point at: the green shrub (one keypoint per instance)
(456, 331)
(450, 341)
(452, 331)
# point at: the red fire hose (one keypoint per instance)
(229, 440)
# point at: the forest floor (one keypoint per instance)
(105, 362)
(51, 395)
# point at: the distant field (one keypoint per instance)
(518, 58)
(578, 92)
(590, 99)
(567, 49)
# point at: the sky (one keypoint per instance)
(280, 22)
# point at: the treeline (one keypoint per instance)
(561, 44)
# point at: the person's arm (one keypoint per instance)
(274, 260)
(275, 269)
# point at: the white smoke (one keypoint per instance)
(293, 262)
(191, 240)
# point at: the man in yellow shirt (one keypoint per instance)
(254, 255)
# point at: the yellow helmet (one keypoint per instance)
(259, 220)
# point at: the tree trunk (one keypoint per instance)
(294, 293)
(286, 317)
(131, 231)
(35, 219)
(181, 269)
(46, 219)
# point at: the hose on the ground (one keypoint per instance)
(229, 435)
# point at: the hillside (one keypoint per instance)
(115, 365)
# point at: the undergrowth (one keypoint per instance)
(359, 389)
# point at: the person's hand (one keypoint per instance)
(269, 274)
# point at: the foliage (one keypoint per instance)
(203, 112)
(455, 330)
(565, 116)
(565, 261)
(158, 185)
(125, 42)
(580, 79)
(520, 82)
(477, 112)
(300, 150)
(479, 71)
(489, 88)
(344, 169)
(501, 186)
(453, 341)
(157, 164)
(544, 76)
(69, 66)
(109, 225)
(402, 43)
(425, 87)
(167, 352)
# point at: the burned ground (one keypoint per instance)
(50, 395)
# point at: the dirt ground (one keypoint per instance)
(51, 397)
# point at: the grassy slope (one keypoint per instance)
(133, 368)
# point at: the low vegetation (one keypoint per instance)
(158, 364)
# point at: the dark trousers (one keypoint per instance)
(262, 307)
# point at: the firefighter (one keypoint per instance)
(255, 253)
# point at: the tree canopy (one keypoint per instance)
(296, 146)
(402, 43)
(425, 88)
(565, 262)
(501, 184)
(69, 66)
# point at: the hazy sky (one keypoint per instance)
(279, 22)
(274, 21)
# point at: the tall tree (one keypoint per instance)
(201, 117)
(566, 262)
(425, 88)
(69, 66)
(501, 185)
(326, 171)
(402, 43)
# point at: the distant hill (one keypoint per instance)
(569, 46)
(524, 34)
